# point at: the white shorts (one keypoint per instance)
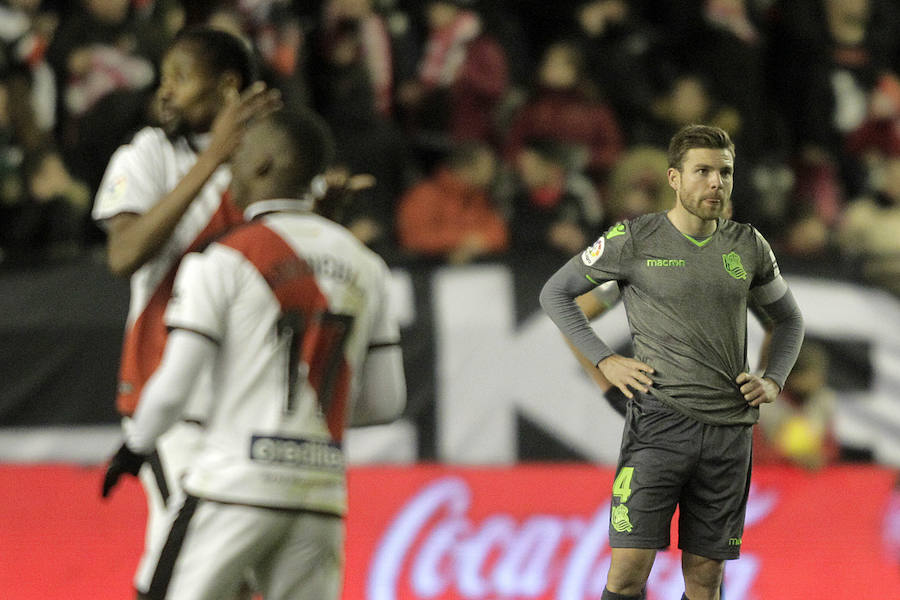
(161, 478)
(292, 554)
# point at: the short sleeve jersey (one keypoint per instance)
(686, 302)
(138, 176)
(293, 301)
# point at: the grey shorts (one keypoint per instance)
(668, 459)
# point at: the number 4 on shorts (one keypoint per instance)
(622, 484)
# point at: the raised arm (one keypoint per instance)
(132, 239)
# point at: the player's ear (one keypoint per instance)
(264, 165)
(674, 176)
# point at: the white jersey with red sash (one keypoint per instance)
(293, 302)
(139, 174)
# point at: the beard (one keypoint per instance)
(175, 128)
(169, 120)
(704, 210)
(176, 124)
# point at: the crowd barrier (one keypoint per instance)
(490, 380)
(435, 532)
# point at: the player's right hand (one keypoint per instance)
(626, 373)
(123, 461)
(228, 127)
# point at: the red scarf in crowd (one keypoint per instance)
(445, 51)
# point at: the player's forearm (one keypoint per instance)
(558, 301)
(382, 396)
(135, 241)
(164, 397)
(591, 369)
(786, 338)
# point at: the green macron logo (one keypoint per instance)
(734, 541)
(665, 262)
(733, 265)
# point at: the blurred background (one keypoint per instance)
(504, 136)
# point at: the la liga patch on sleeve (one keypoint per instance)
(593, 252)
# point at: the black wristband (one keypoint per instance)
(129, 461)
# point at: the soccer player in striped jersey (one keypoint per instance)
(292, 313)
(164, 194)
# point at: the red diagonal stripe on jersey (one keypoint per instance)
(293, 282)
(145, 340)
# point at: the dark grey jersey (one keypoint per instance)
(686, 302)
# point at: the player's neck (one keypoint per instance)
(691, 224)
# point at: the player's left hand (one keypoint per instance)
(335, 190)
(757, 390)
(123, 461)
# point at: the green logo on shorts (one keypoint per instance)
(620, 520)
(733, 265)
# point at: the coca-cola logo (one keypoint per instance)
(433, 548)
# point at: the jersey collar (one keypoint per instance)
(262, 207)
(198, 142)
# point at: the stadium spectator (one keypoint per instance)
(799, 428)
(26, 33)
(723, 37)
(276, 35)
(368, 141)
(688, 97)
(99, 47)
(869, 231)
(563, 107)
(15, 139)
(42, 207)
(48, 219)
(638, 185)
(450, 215)
(838, 50)
(556, 210)
(385, 45)
(620, 53)
(462, 78)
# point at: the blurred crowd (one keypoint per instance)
(500, 129)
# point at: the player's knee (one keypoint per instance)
(629, 569)
(705, 574)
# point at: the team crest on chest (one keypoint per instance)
(733, 265)
(593, 252)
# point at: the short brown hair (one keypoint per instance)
(697, 136)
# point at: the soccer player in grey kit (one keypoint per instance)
(686, 277)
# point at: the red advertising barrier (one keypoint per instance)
(436, 533)
(541, 532)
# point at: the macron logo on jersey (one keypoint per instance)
(666, 262)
